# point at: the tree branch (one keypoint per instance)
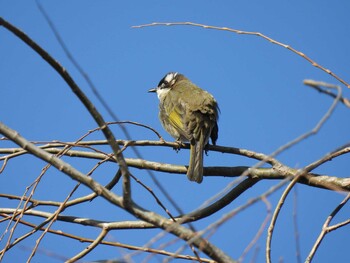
(258, 34)
(326, 228)
(148, 216)
(83, 98)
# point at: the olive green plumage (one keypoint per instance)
(189, 114)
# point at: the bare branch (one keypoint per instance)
(246, 176)
(258, 34)
(298, 175)
(260, 231)
(326, 228)
(151, 217)
(83, 98)
(295, 224)
(279, 171)
(317, 86)
(105, 104)
(89, 248)
(117, 244)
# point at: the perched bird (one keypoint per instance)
(189, 114)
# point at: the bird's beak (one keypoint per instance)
(152, 90)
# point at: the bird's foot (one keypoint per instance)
(178, 145)
(206, 149)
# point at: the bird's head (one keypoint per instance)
(166, 84)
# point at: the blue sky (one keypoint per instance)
(257, 84)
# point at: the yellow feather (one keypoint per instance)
(175, 119)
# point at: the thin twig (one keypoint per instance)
(258, 34)
(326, 229)
(215, 225)
(261, 229)
(90, 247)
(83, 98)
(54, 218)
(106, 106)
(299, 175)
(78, 142)
(277, 172)
(295, 224)
(151, 217)
(19, 214)
(317, 85)
(117, 244)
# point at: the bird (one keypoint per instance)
(189, 114)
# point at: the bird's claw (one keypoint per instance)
(178, 145)
(206, 149)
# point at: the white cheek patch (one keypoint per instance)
(162, 92)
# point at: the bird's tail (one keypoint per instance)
(195, 167)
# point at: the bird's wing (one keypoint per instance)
(176, 119)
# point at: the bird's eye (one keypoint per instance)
(167, 81)
(163, 84)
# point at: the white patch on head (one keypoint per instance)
(162, 92)
(165, 84)
(170, 76)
